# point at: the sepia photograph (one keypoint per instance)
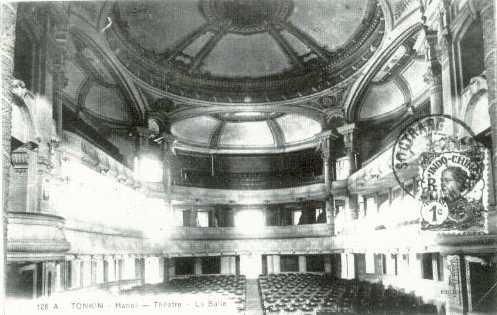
(249, 157)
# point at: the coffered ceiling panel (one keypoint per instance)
(160, 25)
(330, 23)
(107, 103)
(195, 130)
(255, 55)
(249, 134)
(297, 128)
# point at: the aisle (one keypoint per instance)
(253, 302)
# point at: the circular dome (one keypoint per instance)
(231, 51)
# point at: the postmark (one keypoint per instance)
(440, 155)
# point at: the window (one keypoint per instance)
(203, 219)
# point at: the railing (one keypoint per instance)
(246, 181)
(244, 196)
(263, 232)
(293, 245)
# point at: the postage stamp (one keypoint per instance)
(449, 169)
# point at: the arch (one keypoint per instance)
(352, 103)
(135, 98)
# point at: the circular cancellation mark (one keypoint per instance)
(437, 160)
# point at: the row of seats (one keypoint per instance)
(229, 288)
(305, 293)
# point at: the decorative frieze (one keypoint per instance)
(76, 147)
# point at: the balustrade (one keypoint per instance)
(247, 181)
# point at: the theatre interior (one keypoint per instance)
(241, 151)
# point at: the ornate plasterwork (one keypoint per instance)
(171, 78)
(263, 13)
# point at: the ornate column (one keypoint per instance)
(349, 133)
(325, 139)
(167, 161)
(486, 10)
(434, 71)
(7, 29)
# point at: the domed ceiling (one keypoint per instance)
(239, 50)
(246, 130)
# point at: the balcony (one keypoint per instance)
(246, 181)
(295, 240)
(32, 236)
(245, 197)
(263, 232)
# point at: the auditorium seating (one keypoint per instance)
(229, 288)
(307, 293)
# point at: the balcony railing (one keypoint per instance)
(246, 181)
(263, 232)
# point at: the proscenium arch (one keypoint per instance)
(353, 109)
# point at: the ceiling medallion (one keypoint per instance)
(247, 16)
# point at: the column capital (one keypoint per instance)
(431, 52)
(348, 131)
(324, 144)
(168, 141)
(327, 134)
